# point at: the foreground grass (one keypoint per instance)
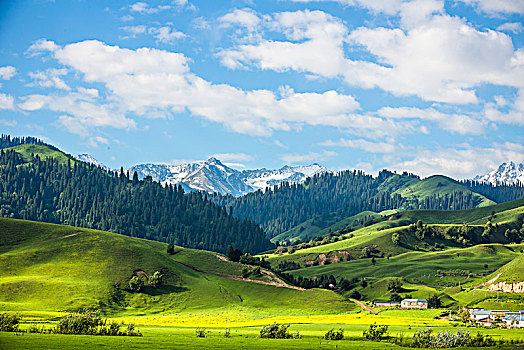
(175, 337)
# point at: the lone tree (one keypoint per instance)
(136, 283)
(157, 279)
(170, 249)
(395, 239)
(234, 254)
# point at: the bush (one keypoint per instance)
(9, 323)
(201, 332)
(170, 249)
(136, 283)
(277, 331)
(446, 339)
(227, 333)
(157, 279)
(86, 322)
(89, 322)
(332, 334)
(376, 332)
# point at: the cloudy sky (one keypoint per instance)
(426, 86)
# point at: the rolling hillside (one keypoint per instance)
(51, 267)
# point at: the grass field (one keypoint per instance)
(247, 337)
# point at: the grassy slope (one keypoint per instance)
(53, 267)
(308, 230)
(380, 233)
(409, 188)
(43, 152)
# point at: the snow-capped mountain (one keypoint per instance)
(87, 158)
(506, 173)
(213, 176)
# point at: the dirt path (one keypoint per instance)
(221, 257)
(362, 305)
(277, 283)
(487, 282)
(71, 235)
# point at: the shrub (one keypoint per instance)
(157, 279)
(277, 331)
(376, 332)
(85, 322)
(136, 283)
(227, 333)
(422, 338)
(332, 334)
(170, 249)
(201, 332)
(446, 339)
(89, 322)
(9, 323)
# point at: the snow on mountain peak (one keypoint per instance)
(87, 158)
(213, 176)
(506, 173)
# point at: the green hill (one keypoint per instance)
(439, 185)
(52, 188)
(51, 267)
(30, 151)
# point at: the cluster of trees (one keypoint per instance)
(323, 281)
(499, 193)
(83, 195)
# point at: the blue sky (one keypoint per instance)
(426, 86)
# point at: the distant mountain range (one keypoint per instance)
(506, 173)
(213, 176)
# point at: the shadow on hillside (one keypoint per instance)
(163, 290)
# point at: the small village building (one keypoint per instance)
(386, 303)
(514, 321)
(414, 303)
(481, 316)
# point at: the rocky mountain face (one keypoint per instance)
(213, 176)
(506, 173)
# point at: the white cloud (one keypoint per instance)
(365, 145)
(234, 157)
(83, 110)
(166, 35)
(461, 162)
(144, 8)
(494, 6)
(134, 30)
(41, 45)
(151, 82)
(50, 78)
(6, 122)
(442, 60)
(434, 56)
(244, 17)
(316, 45)
(307, 158)
(127, 18)
(456, 123)
(513, 27)
(6, 101)
(95, 141)
(385, 6)
(7, 72)
(513, 115)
